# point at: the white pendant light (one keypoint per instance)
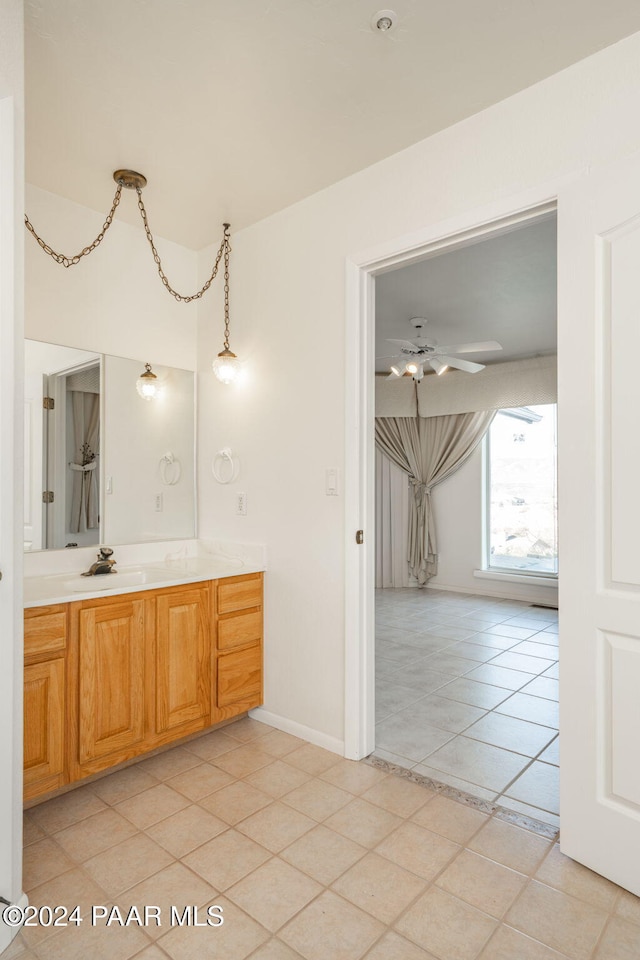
(147, 384)
(226, 366)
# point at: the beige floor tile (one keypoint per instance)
(331, 928)
(123, 784)
(312, 759)
(398, 796)
(519, 849)
(126, 864)
(278, 778)
(418, 850)
(186, 830)
(565, 874)
(244, 760)
(363, 822)
(558, 920)
(394, 947)
(97, 833)
(354, 776)
(80, 943)
(483, 883)
(235, 802)
(317, 799)
(152, 953)
(30, 831)
(235, 939)
(323, 854)
(61, 812)
(169, 763)
(42, 861)
(175, 886)
(71, 889)
(446, 926)
(16, 948)
(621, 941)
(200, 781)
(152, 805)
(276, 826)
(510, 944)
(212, 745)
(279, 744)
(273, 893)
(381, 888)
(247, 729)
(451, 819)
(275, 949)
(226, 859)
(628, 907)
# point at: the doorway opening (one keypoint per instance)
(465, 670)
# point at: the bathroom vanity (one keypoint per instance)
(126, 667)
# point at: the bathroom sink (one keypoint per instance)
(107, 581)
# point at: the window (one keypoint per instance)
(522, 532)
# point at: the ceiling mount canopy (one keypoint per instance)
(226, 365)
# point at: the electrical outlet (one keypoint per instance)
(158, 503)
(241, 504)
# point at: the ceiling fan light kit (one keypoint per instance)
(415, 354)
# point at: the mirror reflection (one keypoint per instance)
(102, 464)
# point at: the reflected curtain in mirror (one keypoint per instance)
(85, 499)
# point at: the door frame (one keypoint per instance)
(361, 270)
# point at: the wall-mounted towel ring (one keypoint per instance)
(170, 469)
(224, 467)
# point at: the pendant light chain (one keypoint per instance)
(156, 256)
(129, 182)
(227, 251)
(72, 261)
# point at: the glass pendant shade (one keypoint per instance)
(226, 366)
(147, 384)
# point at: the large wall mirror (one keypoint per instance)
(102, 464)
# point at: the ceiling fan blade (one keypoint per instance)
(405, 344)
(465, 365)
(480, 347)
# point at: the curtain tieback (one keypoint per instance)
(83, 468)
(420, 489)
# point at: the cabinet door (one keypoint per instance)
(183, 660)
(44, 724)
(111, 694)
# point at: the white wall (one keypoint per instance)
(288, 322)
(113, 301)
(11, 406)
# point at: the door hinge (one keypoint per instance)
(359, 536)
(48, 403)
(47, 496)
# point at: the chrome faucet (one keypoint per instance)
(103, 564)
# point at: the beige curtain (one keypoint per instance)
(392, 510)
(85, 409)
(428, 450)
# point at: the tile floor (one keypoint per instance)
(467, 694)
(311, 857)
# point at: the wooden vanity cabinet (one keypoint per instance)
(182, 662)
(109, 679)
(107, 674)
(237, 647)
(45, 653)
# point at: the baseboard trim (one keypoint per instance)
(316, 737)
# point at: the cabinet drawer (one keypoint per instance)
(238, 629)
(45, 630)
(237, 594)
(239, 676)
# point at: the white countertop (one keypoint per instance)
(43, 590)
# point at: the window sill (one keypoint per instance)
(534, 581)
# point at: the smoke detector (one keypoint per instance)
(384, 21)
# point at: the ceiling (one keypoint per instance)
(503, 289)
(234, 109)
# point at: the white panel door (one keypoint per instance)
(599, 507)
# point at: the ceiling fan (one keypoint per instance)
(415, 354)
